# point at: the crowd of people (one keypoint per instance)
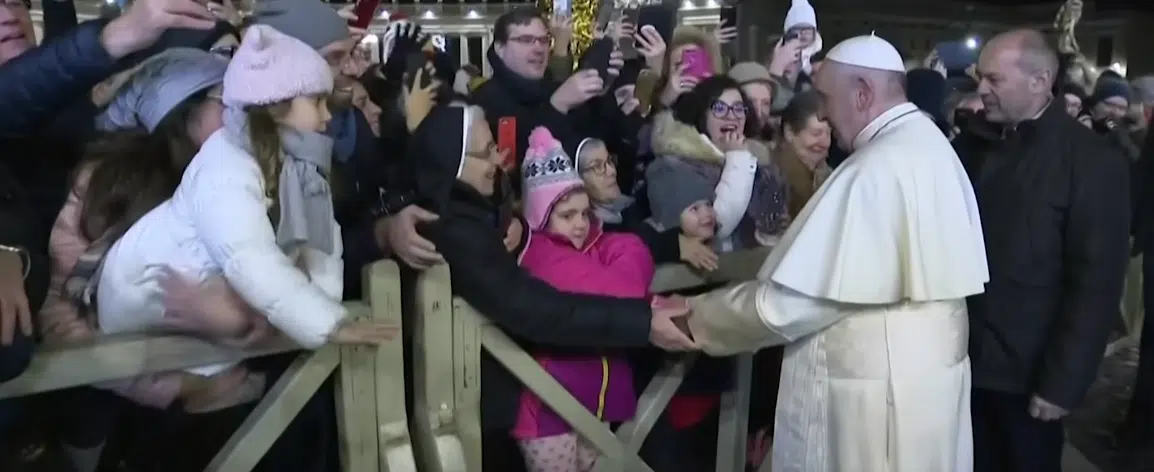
(950, 240)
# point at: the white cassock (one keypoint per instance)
(867, 291)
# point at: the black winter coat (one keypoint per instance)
(1054, 200)
(486, 274)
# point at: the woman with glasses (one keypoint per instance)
(703, 141)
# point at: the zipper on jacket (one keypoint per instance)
(604, 387)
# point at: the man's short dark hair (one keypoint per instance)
(519, 16)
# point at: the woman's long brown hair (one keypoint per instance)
(133, 171)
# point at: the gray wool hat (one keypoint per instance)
(312, 21)
(673, 187)
(160, 84)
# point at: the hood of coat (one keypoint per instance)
(687, 34)
(437, 152)
(676, 139)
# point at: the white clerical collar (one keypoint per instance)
(871, 130)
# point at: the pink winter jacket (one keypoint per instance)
(62, 323)
(610, 264)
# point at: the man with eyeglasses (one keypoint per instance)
(523, 95)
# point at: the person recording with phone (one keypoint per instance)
(1108, 109)
(523, 96)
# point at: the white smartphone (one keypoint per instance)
(561, 8)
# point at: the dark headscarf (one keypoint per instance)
(436, 150)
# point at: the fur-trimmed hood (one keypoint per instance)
(676, 139)
(686, 34)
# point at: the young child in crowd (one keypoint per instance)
(568, 249)
(255, 206)
(690, 208)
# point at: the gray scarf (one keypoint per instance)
(611, 212)
(306, 204)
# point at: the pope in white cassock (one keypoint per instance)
(867, 289)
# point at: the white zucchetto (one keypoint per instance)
(868, 51)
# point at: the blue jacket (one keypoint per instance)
(35, 88)
(39, 84)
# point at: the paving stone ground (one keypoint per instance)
(1091, 428)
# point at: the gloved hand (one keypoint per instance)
(402, 37)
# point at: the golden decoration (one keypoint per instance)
(584, 18)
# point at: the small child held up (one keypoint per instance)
(569, 250)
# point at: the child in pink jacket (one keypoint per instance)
(568, 250)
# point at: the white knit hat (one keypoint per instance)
(801, 13)
(270, 67)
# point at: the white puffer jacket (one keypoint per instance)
(217, 223)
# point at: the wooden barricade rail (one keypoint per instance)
(370, 391)
(448, 336)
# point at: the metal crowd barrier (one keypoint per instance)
(448, 336)
(370, 391)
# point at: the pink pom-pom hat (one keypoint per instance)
(548, 174)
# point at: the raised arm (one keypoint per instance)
(488, 277)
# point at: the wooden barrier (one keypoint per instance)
(370, 389)
(448, 337)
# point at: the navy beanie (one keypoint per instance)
(1110, 88)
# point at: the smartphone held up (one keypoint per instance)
(365, 10)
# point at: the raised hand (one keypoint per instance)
(144, 22)
(652, 47)
(678, 84)
(561, 27)
(725, 34)
(785, 55)
(420, 101)
(577, 89)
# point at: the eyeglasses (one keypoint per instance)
(721, 109)
(225, 51)
(27, 4)
(529, 40)
(487, 154)
(600, 167)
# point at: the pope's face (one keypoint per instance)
(838, 105)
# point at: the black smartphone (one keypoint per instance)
(728, 17)
(790, 36)
(597, 58)
(414, 63)
(628, 44)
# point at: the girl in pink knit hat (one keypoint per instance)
(253, 206)
(568, 250)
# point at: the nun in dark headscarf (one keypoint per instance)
(458, 177)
